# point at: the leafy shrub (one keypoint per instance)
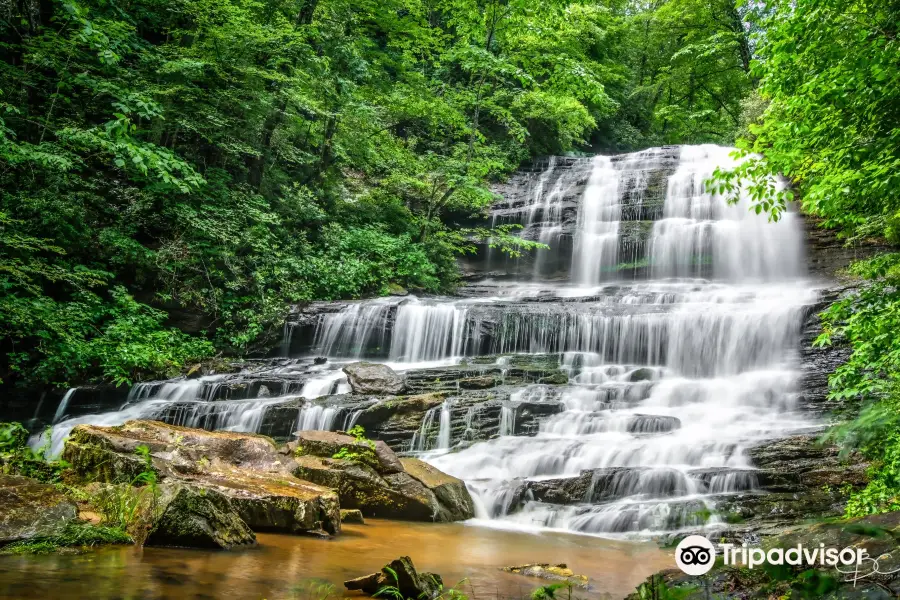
(868, 383)
(131, 507)
(17, 458)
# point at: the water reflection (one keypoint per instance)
(282, 566)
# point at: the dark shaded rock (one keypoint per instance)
(29, 509)
(401, 574)
(368, 584)
(478, 383)
(395, 420)
(642, 374)
(187, 516)
(352, 515)
(373, 378)
(804, 479)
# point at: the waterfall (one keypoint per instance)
(685, 356)
(597, 240)
(63, 405)
(419, 440)
(444, 431)
(507, 420)
(676, 317)
(315, 417)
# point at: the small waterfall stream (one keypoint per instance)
(675, 316)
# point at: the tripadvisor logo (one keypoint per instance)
(695, 555)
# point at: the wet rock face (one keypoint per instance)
(188, 516)
(373, 378)
(803, 479)
(29, 509)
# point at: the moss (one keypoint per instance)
(556, 378)
(74, 535)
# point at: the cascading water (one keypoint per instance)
(675, 316)
(678, 328)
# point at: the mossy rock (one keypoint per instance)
(352, 515)
(558, 572)
(188, 516)
(244, 473)
(452, 494)
(29, 509)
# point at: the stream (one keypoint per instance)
(289, 567)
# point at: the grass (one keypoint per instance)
(73, 535)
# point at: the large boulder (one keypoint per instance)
(374, 378)
(402, 575)
(394, 495)
(452, 494)
(241, 474)
(377, 454)
(186, 515)
(29, 509)
(108, 453)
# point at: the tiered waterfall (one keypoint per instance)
(674, 315)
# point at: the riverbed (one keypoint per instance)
(293, 567)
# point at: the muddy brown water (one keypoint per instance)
(288, 567)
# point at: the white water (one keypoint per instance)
(63, 405)
(672, 375)
(717, 325)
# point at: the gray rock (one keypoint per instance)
(373, 378)
(29, 509)
(187, 516)
(452, 494)
(419, 493)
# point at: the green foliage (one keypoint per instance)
(202, 166)
(314, 589)
(17, 458)
(74, 535)
(356, 453)
(553, 591)
(131, 507)
(656, 588)
(359, 432)
(868, 384)
(826, 117)
(688, 70)
(830, 121)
